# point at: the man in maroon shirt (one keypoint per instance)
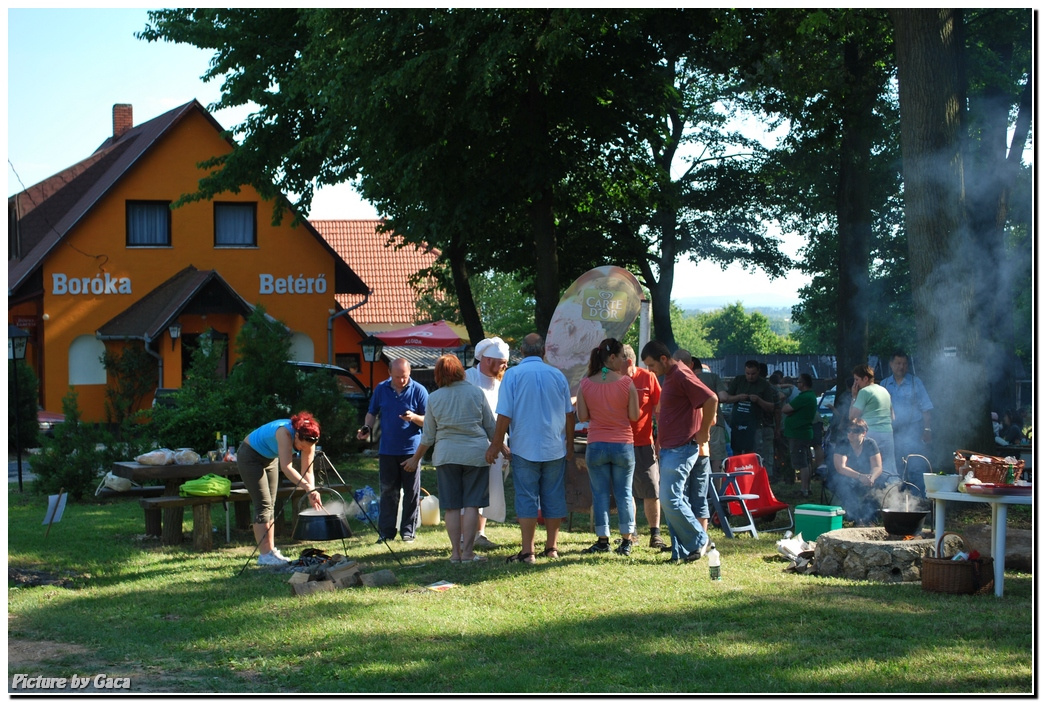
(681, 437)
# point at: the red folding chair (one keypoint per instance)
(729, 496)
(764, 505)
(761, 503)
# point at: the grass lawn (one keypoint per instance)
(173, 620)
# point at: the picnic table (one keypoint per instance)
(166, 522)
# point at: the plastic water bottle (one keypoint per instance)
(714, 563)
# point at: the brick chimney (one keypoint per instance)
(122, 120)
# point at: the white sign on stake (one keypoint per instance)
(55, 508)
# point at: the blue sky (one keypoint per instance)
(67, 67)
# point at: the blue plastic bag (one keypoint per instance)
(370, 503)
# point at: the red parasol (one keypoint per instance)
(433, 335)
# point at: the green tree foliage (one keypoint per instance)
(262, 387)
(459, 124)
(134, 371)
(204, 405)
(75, 458)
(826, 75)
(503, 300)
(28, 401)
(692, 333)
(734, 331)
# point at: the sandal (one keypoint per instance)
(522, 557)
(550, 553)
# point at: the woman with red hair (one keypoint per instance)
(459, 425)
(260, 456)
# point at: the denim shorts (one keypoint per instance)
(538, 485)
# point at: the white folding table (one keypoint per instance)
(999, 512)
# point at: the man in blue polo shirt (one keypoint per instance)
(534, 405)
(401, 406)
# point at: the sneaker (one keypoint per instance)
(272, 558)
(483, 542)
(657, 542)
(625, 548)
(696, 556)
(598, 547)
(408, 539)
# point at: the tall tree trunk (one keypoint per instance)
(853, 214)
(463, 291)
(661, 292)
(944, 277)
(543, 225)
(993, 171)
(547, 270)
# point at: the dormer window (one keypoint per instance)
(148, 223)
(235, 224)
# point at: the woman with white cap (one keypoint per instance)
(490, 359)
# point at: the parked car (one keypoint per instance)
(826, 403)
(48, 420)
(354, 391)
(164, 397)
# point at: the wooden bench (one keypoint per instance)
(164, 515)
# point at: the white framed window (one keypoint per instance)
(85, 366)
(148, 223)
(234, 224)
(301, 348)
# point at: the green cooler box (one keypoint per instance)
(813, 520)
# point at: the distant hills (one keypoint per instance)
(708, 303)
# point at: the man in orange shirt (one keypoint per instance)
(645, 477)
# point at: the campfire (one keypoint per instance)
(871, 553)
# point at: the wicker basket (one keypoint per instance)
(993, 472)
(957, 577)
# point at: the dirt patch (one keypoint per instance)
(26, 577)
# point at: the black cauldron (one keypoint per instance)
(326, 524)
(903, 523)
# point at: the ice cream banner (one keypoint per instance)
(600, 304)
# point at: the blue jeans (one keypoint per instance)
(538, 485)
(697, 487)
(687, 535)
(611, 467)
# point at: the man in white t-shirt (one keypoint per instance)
(490, 359)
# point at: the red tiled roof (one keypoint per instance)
(384, 268)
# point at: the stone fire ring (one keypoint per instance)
(872, 554)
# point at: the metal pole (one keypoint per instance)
(17, 429)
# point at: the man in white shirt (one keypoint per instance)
(490, 359)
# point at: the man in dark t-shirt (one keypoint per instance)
(753, 398)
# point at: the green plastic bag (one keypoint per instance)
(211, 485)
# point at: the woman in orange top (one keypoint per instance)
(607, 399)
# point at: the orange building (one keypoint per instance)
(97, 258)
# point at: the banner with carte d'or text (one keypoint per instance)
(601, 304)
